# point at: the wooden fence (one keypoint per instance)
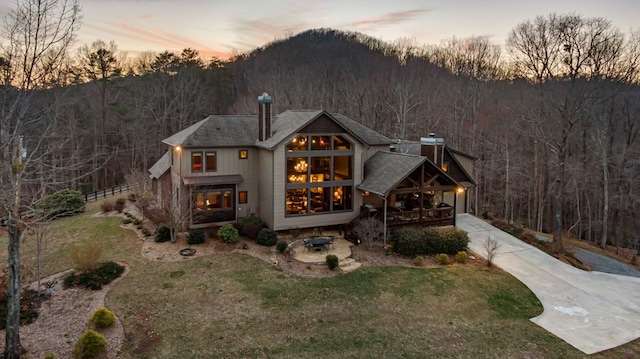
(108, 192)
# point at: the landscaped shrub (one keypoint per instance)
(411, 241)
(281, 246)
(462, 257)
(267, 237)
(136, 222)
(95, 279)
(146, 232)
(102, 318)
(29, 305)
(120, 203)
(332, 261)
(126, 220)
(86, 256)
(65, 202)
(228, 233)
(89, 345)
(250, 226)
(163, 234)
(196, 236)
(108, 271)
(418, 261)
(442, 259)
(408, 241)
(106, 206)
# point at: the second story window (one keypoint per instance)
(196, 161)
(243, 154)
(211, 161)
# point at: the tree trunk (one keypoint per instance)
(13, 349)
(605, 205)
(557, 210)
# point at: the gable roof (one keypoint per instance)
(292, 121)
(242, 130)
(160, 167)
(385, 170)
(218, 131)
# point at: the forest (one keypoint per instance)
(552, 116)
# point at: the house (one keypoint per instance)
(305, 168)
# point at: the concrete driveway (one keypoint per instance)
(592, 311)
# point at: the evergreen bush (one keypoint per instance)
(462, 257)
(412, 241)
(102, 318)
(267, 237)
(65, 202)
(281, 246)
(442, 259)
(89, 345)
(196, 236)
(332, 261)
(163, 234)
(228, 233)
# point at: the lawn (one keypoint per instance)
(236, 306)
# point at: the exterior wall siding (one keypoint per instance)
(266, 186)
(228, 162)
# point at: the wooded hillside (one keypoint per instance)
(553, 123)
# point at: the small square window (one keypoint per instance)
(243, 197)
(243, 154)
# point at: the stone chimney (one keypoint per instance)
(264, 117)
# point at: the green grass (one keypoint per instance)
(235, 306)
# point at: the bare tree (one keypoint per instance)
(491, 248)
(36, 38)
(369, 231)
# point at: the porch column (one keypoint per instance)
(384, 223)
(455, 206)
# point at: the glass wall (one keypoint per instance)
(319, 174)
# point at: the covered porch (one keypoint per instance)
(401, 189)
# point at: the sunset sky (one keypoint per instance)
(223, 27)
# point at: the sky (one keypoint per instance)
(222, 28)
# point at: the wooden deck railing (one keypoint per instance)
(444, 216)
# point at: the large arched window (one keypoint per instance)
(319, 175)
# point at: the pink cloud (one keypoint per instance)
(390, 18)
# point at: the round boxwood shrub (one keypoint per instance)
(89, 345)
(196, 236)
(462, 257)
(267, 237)
(281, 246)
(332, 261)
(65, 202)
(442, 259)
(163, 234)
(228, 233)
(102, 318)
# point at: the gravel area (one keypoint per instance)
(601, 263)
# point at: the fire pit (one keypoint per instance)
(187, 252)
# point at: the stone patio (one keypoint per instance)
(340, 248)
